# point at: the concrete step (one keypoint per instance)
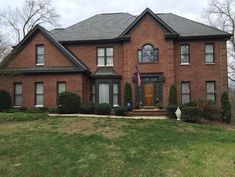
(149, 112)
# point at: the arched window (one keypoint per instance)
(148, 54)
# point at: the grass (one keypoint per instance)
(91, 147)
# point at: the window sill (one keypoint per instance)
(184, 64)
(210, 63)
(105, 65)
(17, 106)
(40, 64)
(38, 106)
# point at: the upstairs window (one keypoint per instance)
(209, 53)
(210, 90)
(40, 54)
(148, 54)
(105, 56)
(184, 54)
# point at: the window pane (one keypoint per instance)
(115, 100)
(184, 49)
(39, 88)
(104, 93)
(101, 52)
(185, 87)
(40, 50)
(210, 87)
(209, 48)
(209, 58)
(18, 100)
(40, 59)
(115, 88)
(109, 61)
(184, 59)
(109, 51)
(61, 87)
(100, 61)
(139, 53)
(211, 97)
(18, 88)
(185, 98)
(148, 53)
(39, 99)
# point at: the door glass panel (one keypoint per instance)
(104, 93)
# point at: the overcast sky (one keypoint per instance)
(73, 11)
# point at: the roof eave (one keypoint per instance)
(225, 36)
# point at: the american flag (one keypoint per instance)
(138, 76)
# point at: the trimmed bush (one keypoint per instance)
(192, 114)
(5, 100)
(15, 110)
(171, 111)
(173, 96)
(127, 94)
(226, 108)
(68, 103)
(87, 108)
(120, 111)
(103, 109)
(36, 110)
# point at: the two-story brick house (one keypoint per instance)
(95, 57)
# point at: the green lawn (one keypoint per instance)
(90, 147)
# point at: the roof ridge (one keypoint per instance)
(112, 13)
(199, 23)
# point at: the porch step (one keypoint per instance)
(149, 112)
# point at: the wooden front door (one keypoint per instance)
(148, 94)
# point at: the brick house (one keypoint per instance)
(94, 58)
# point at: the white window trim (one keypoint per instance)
(40, 64)
(184, 64)
(38, 106)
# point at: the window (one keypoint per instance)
(210, 90)
(61, 87)
(209, 53)
(18, 94)
(148, 54)
(39, 94)
(185, 92)
(184, 54)
(105, 56)
(93, 92)
(40, 54)
(115, 94)
(104, 93)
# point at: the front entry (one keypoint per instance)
(149, 94)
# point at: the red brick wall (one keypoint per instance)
(27, 57)
(198, 72)
(74, 83)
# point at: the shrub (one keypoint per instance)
(7, 117)
(120, 111)
(87, 108)
(5, 100)
(36, 110)
(69, 103)
(192, 114)
(171, 111)
(173, 96)
(102, 109)
(14, 110)
(226, 108)
(127, 93)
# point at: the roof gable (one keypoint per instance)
(147, 11)
(60, 47)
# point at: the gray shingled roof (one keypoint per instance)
(105, 71)
(110, 26)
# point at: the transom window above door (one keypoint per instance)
(148, 54)
(105, 56)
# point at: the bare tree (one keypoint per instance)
(4, 48)
(221, 14)
(33, 12)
